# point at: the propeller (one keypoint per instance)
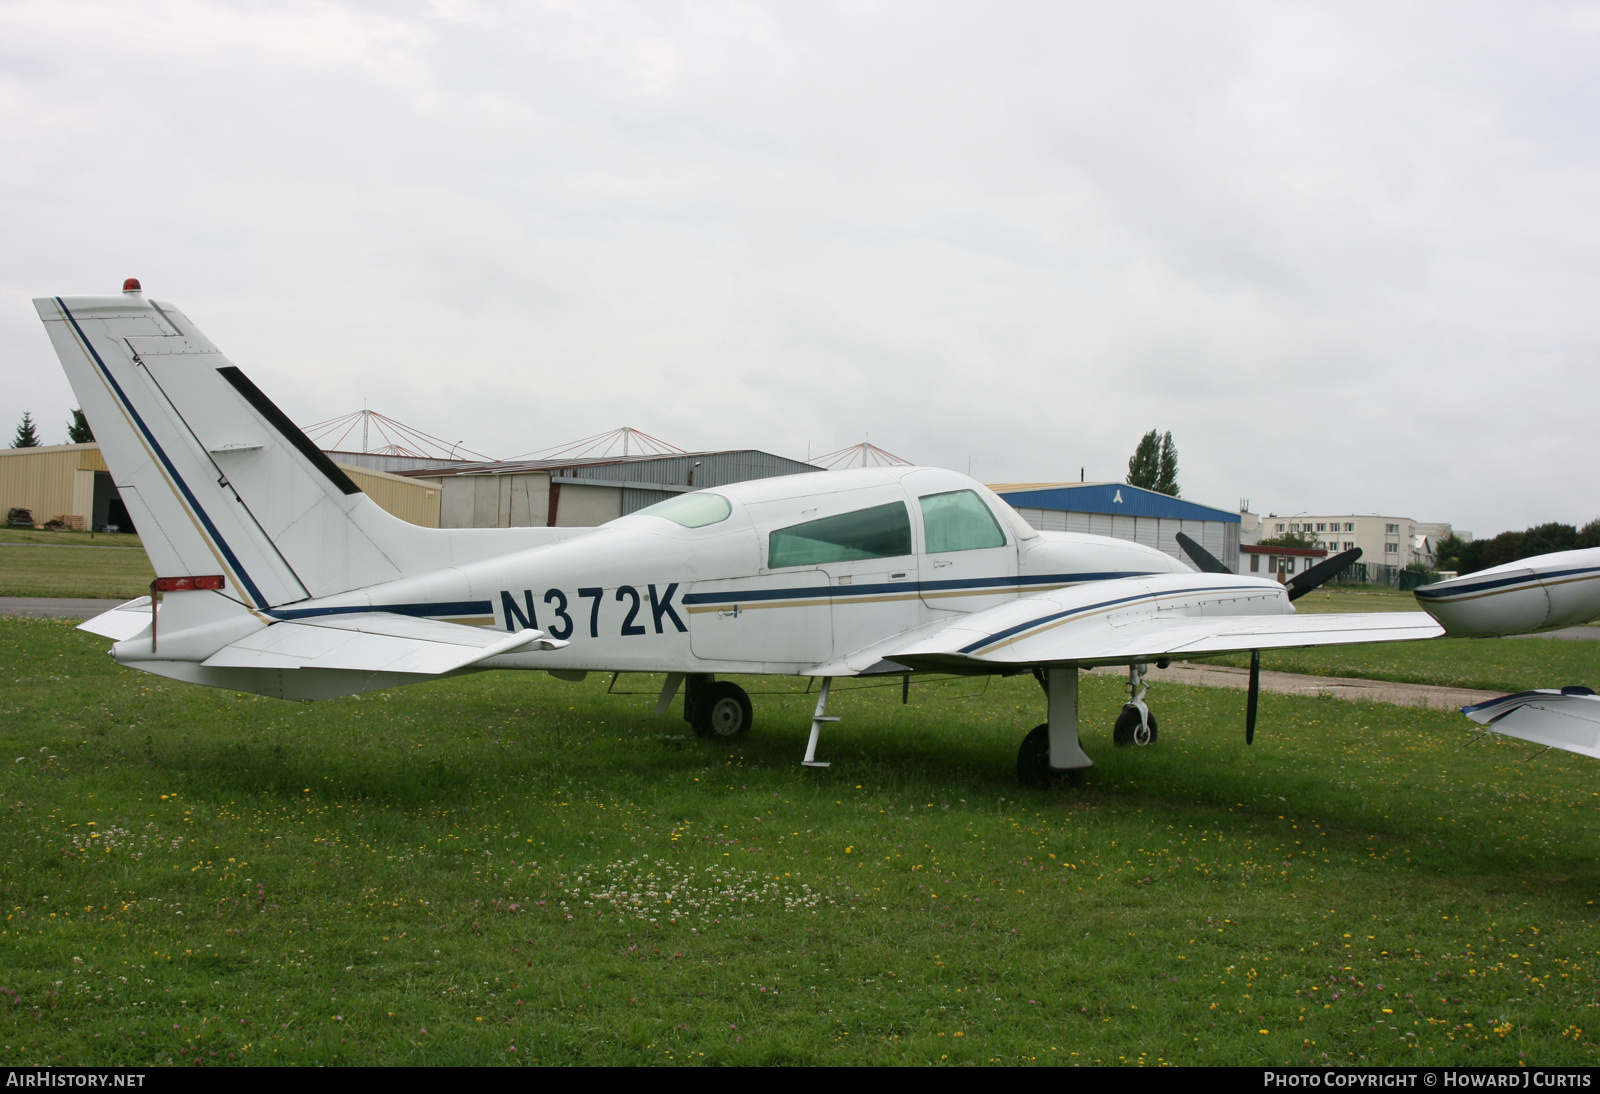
(1326, 570)
(1254, 698)
(1201, 557)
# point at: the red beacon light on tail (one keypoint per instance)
(131, 285)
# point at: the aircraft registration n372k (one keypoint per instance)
(278, 576)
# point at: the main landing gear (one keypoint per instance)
(1051, 753)
(716, 708)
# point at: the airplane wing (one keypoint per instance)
(1567, 719)
(373, 642)
(1115, 622)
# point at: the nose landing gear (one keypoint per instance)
(1135, 725)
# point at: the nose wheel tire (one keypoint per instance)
(1132, 729)
(1033, 762)
(723, 711)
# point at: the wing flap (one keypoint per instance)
(373, 642)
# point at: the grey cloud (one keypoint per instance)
(1345, 254)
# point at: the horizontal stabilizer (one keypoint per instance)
(122, 622)
(374, 642)
(1568, 719)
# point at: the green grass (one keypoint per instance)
(1356, 598)
(1489, 664)
(435, 874)
(69, 564)
(85, 539)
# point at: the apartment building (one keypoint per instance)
(1384, 541)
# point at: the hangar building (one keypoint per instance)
(584, 493)
(1126, 512)
(71, 481)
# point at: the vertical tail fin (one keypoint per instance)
(216, 478)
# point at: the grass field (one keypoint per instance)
(1491, 664)
(72, 564)
(506, 868)
(1356, 598)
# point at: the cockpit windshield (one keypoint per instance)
(694, 510)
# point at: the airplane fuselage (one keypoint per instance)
(648, 594)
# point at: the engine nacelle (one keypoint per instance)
(1530, 594)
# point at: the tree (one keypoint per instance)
(1168, 482)
(1455, 553)
(27, 434)
(1154, 465)
(1547, 538)
(1542, 539)
(78, 431)
(1289, 539)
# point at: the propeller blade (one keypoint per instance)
(1326, 570)
(1254, 697)
(1201, 557)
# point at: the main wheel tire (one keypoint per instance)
(1122, 735)
(723, 711)
(1033, 758)
(1033, 762)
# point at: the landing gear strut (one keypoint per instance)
(716, 708)
(1135, 725)
(1051, 752)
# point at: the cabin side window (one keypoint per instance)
(959, 521)
(884, 531)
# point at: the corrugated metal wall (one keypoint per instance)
(1218, 537)
(696, 469)
(381, 461)
(413, 500)
(490, 495)
(635, 500)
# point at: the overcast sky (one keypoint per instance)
(1346, 253)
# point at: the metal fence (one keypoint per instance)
(1364, 573)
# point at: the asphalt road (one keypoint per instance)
(54, 607)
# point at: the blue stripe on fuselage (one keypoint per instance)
(1423, 592)
(462, 607)
(1000, 584)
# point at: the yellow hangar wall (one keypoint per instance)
(414, 500)
(59, 481)
(51, 481)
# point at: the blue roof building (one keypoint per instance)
(1126, 512)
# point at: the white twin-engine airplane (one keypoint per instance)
(278, 576)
